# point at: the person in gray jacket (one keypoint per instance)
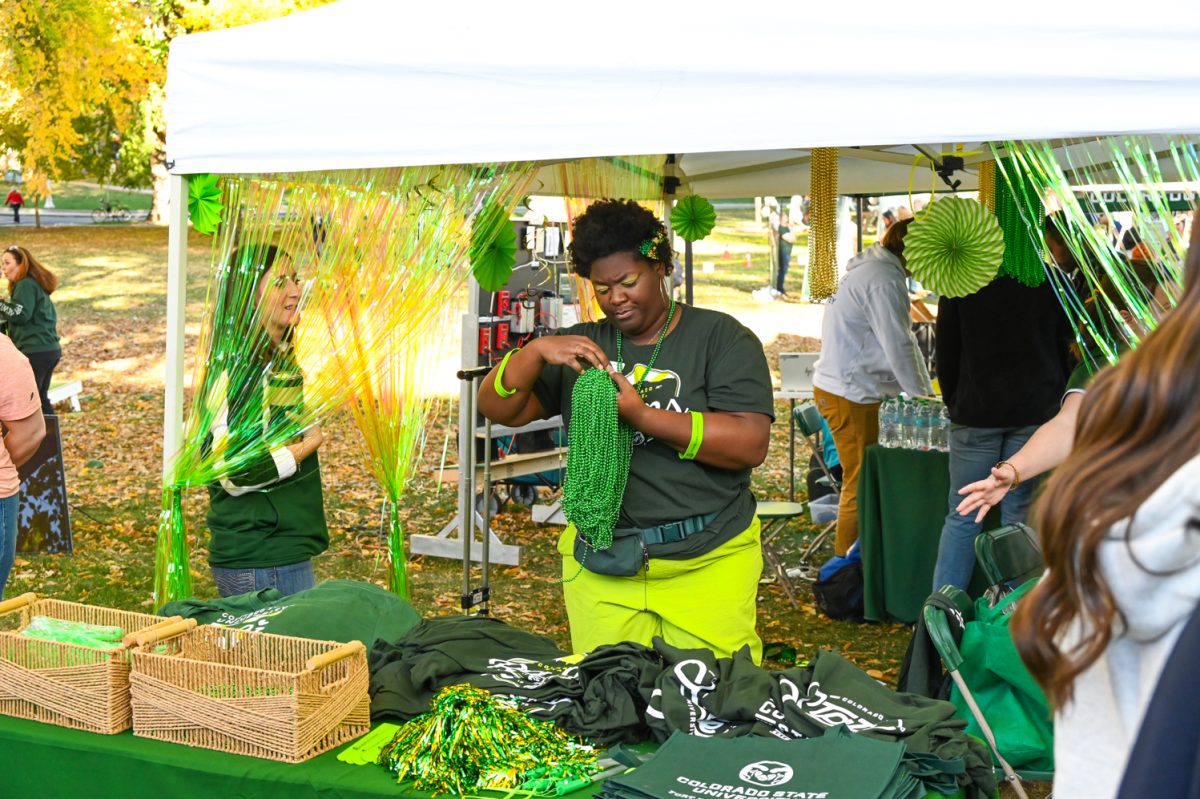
(868, 353)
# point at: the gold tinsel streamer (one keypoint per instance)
(822, 237)
(987, 184)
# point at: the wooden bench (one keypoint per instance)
(66, 392)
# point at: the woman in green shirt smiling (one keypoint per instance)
(30, 315)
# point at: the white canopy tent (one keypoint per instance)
(375, 83)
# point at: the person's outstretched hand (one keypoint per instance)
(985, 494)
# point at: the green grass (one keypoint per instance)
(86, 197)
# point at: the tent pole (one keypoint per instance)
(687, 272)
(177, 230)
(858, 209)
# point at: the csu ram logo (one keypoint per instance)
(767, 773)
(655, 379)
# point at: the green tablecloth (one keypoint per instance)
(902, 504)
(41, 760)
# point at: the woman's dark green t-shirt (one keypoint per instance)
(709, 362)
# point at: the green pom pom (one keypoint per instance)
(204, 203)
(693, 218)
(493, 248)
(955, 247)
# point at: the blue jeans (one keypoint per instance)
(290, 579)
(8, 536)
(782, 273)
(973, 453)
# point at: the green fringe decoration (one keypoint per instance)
(397, 559)
(172, 577)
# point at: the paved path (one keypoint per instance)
(54, 217)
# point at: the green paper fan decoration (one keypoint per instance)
(955, 247)
(204, 203)
(693, 218)
(493, 248)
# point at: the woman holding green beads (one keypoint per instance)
(691, 395)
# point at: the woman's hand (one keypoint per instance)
(630, 404)
(309, 442)
(985, 494)
(576, 352)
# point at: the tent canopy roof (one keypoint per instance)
(372, 83)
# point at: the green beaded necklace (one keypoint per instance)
(654, 357)
(600, 447)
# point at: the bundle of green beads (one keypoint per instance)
(600, 447)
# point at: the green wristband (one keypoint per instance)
(498, 382)
(697, 437)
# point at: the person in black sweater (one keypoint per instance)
(1003, 356)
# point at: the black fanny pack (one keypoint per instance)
(629, 551)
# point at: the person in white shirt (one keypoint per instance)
(868, 353)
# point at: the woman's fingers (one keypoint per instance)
(978, 486)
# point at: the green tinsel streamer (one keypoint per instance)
(172, 577)
(398, 561)
(600, 447)
(471, 740)
(1017, 201)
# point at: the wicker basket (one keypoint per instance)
(257, 694)
(67, 684)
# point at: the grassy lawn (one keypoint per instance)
(87, 196)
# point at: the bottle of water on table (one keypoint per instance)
(922, 426)
(943, 429)
(887, 423)
(907, 424)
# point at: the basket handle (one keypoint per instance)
(324, 659)
(17, 602)
(153, 635)
(130, 639)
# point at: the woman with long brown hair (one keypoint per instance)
(1120, 528)
(30, 315)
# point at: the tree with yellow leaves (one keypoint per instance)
(65, 66)
(81, 83)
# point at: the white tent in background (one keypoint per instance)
(368, 83)
(738, 96)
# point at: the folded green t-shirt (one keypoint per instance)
(336, 610)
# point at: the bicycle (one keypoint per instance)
(109, 211)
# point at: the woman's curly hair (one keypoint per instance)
(612, 226)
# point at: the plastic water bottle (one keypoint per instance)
(887, 424)
(943, 429)
(907, 424)
(924, 424)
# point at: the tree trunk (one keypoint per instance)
(160, 186)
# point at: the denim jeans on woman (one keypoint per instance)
(973, 453)
(290, 579)
(8, 537)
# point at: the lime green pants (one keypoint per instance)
(708, 602)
